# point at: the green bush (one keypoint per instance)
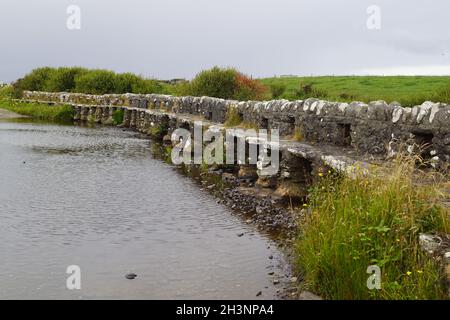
(226, 84)
(63, 79)
(221, 83)
(118, 117)
(277, 90)
(131, 83)
(181, 89)
(147, 86)
(7, 92)
(96, 82)
(82, 80)
(124, 82)
(216, 82)
(38, 79)
(158, 131)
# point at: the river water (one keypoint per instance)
(95, 198)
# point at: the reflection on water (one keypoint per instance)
(94, 197)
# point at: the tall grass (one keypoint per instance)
(233, 118)
(59, 113)
(374, 219)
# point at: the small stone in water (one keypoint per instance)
(131, 276)
(240, 235)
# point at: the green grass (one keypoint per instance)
(118, 117)
(408, 91)
(58, 113)
(371, 220)
(158, 131)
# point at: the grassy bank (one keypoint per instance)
(408, 91)
(38, 111)
(372, 220)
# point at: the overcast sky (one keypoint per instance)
(177, 38)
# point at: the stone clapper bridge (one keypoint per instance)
(341, 136)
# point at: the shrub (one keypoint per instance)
(7, 92)
(226, 84)
(277, 90)
(216, 82)
(17, 89)
(96, 82)
(147, 86)
(82, 80)
(181, 89)
(63, 79)
(248, 89)
(118, 117)
(158, 131)
(131, 83)
(307, 90)
(372, 219)
(123, 83)
(347, 96)
(37, 80)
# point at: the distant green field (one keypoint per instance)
(408, 90)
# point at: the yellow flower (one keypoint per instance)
(419, 271)
(398, 240)
(409, 273)
(320, 174)
(305, 205)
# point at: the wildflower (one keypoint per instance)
(409, 273)
(419, 271)
(305, 205)
(320, 174)
(398, 240)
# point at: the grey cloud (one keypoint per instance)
(177, 38)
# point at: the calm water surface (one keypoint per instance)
(95, 197)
